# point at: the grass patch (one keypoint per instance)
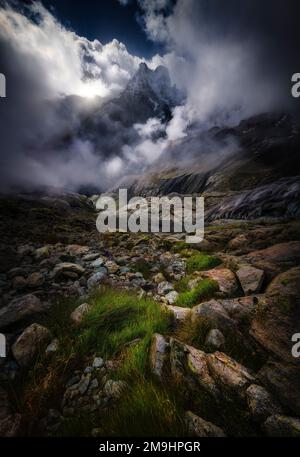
(118, 318)
(181, 245)
(200, 262)
(204, 290)
(147, 409)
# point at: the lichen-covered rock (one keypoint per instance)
(281, 426)
(158, 354)
(30, 343)
(202, 428)
(260, 403)
(251, 279)
(228, 374)
(78, 314)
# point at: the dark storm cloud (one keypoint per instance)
(233, 59)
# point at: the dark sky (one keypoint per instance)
(105, 20)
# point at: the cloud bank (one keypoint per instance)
(232, 59)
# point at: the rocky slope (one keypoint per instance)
(258, 175)
(212, 339)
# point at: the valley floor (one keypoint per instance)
(143, 335)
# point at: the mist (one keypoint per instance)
(232, 60)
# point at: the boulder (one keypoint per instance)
(260, 403)
(78, 314)
(226, 279)
(202, 428)
(158, 354)
(251, 279)
(275, 259)
(229, 375)
(283, 381)
(180, 314)
(278, 317)
(29, 343)
(19, 309)
(282, 426)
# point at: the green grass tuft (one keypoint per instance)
(204, 290)
(200, 262)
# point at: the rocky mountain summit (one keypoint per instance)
(123, 334)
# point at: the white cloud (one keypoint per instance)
(67, 63)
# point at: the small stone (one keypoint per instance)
(29, 343)
(84, 384)
(112, 267)
(88, 370)
(171, 297)
(53, 346)
(35, 280)
(79, 313)
(164, 288)
(20, 308)
(215, 339)
(96, 279)
(42, 253)
(19, 283)
(158, 278)
(68, 270)
(94, 384)
(90, 257)
(98, 262)
(98, 362)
